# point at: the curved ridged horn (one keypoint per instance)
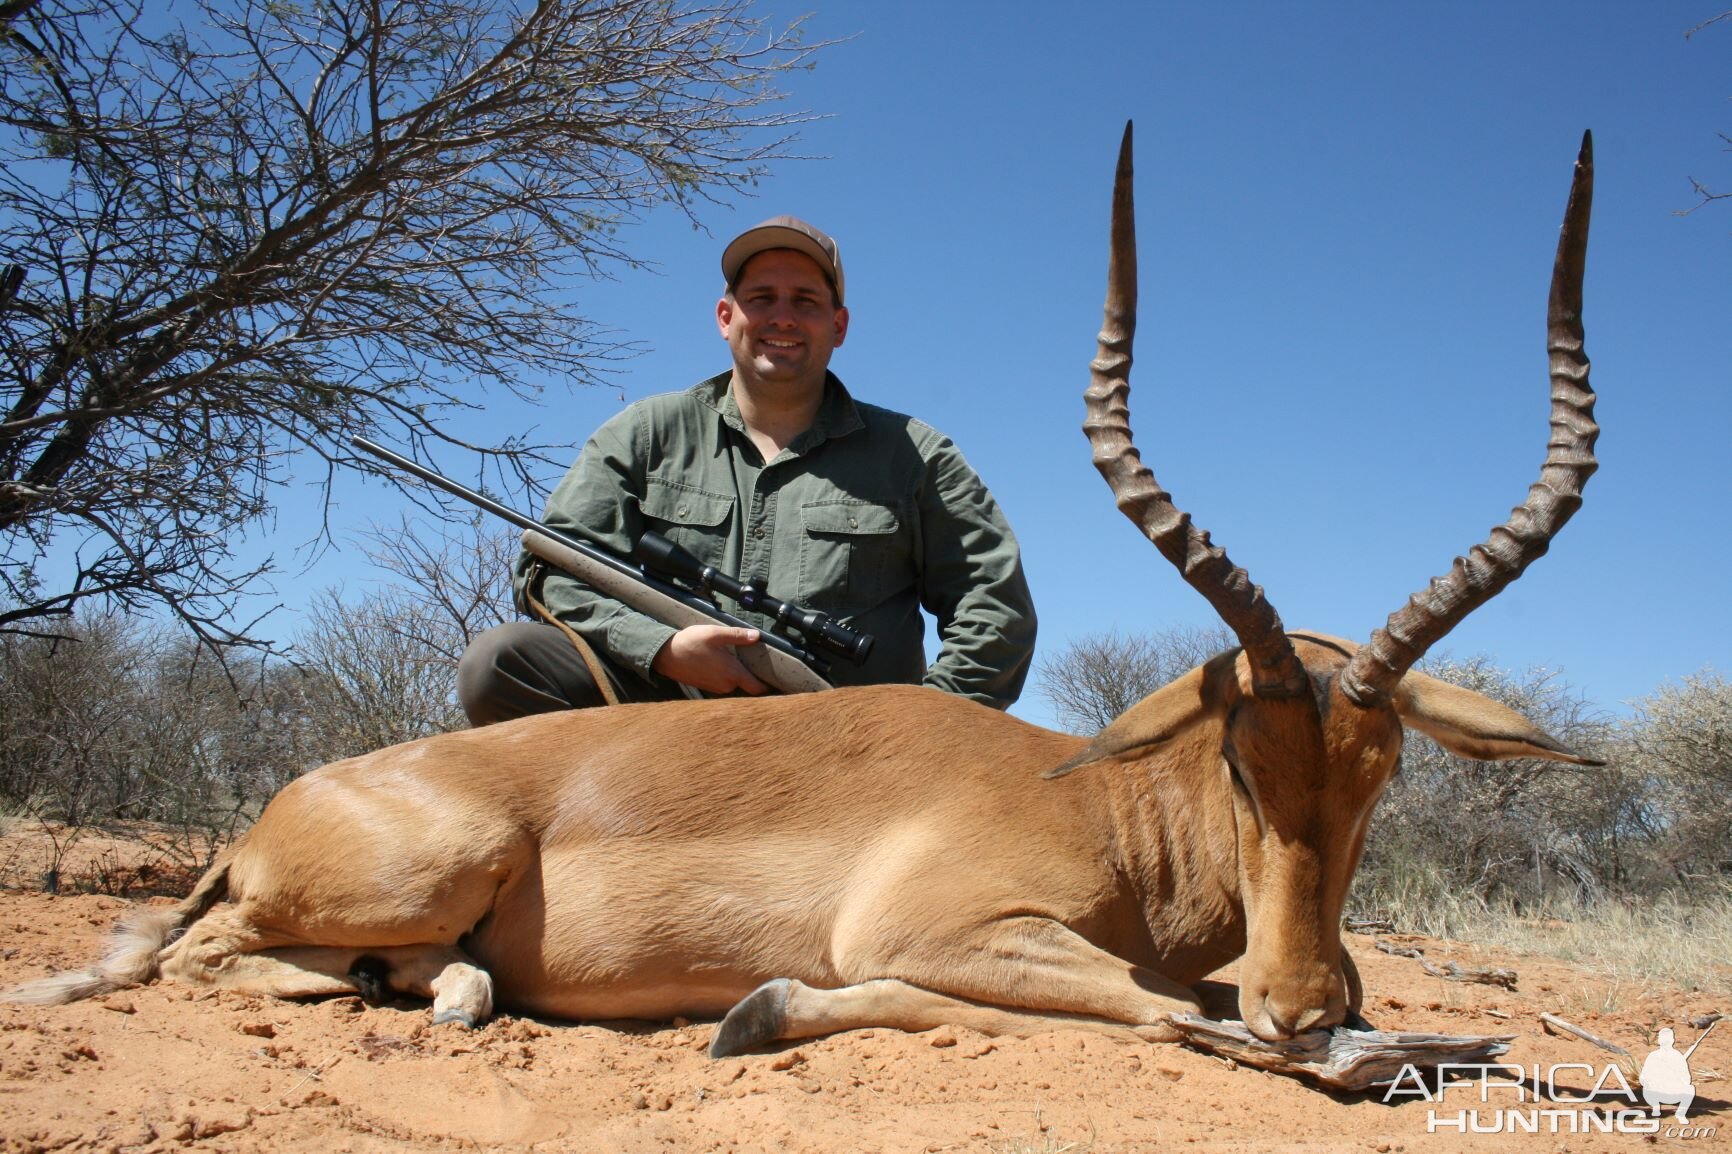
(1371, 675)
(1275, 668)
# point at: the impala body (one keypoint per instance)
(887, 856)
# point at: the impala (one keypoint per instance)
(889, 856)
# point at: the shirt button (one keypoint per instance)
(681, 512)
(758, 532)
(853, 524)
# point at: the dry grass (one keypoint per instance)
(1042, 1141)
(122, 859)
(1045, 1144)
(1683, 940)
(1669, 940)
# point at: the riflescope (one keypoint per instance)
(819, 630)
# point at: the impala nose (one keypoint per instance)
(1282, 1014)
(1313, 1019)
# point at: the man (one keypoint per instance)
(774, 473)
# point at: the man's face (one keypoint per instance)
(781, 320)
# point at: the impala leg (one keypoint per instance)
(1017, 975)
(226, 949)
(462, 991)
(1030, 963)
(785, 1009)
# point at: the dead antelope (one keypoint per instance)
(889, 856)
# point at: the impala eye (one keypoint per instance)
(1245, 792)
(1238, 780)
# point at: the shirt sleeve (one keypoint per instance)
(598, 501)
(972, 584)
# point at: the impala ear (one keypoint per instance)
(1161, 716)
(1472, 725)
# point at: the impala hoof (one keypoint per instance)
(462, 1017)
(755, 1019)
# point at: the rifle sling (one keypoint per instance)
(597, 672)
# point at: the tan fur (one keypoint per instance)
(132, 948)
(130, 960)
(658, 860)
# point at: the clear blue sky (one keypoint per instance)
(1347, 219)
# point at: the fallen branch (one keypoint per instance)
(1376, 924)
(1553, 1024)
(1485, 976)
(1340, 1059)
(1452, 971)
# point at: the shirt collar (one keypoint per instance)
(837, 414)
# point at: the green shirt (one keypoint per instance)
(868, 515)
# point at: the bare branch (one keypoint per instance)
(257, 233)
(1097, 677)
(1711, 20)
(1704, 194)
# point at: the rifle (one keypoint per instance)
(1699, 1038)
(790, 663)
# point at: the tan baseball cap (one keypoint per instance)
(784, 232)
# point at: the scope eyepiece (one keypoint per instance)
(658, 552)
(847, 641)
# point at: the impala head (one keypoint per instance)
(1309, 728)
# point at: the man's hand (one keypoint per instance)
(703, 657)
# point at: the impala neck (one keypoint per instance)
(1179, 856)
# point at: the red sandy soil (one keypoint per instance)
(163, 1067)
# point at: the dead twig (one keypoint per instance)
(313, 1074)
(1483, 975)
(1452, 971)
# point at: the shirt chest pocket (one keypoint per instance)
(695, 519)
(853, 555)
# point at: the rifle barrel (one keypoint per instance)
(595, 553)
